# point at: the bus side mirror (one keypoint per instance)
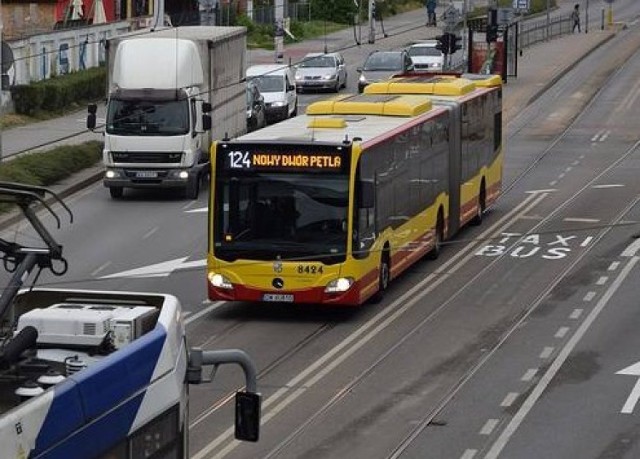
(206, 107)
(91, 117)
(247, 416)
(367, 194)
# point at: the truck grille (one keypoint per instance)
(146, 157)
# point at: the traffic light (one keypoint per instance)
(454, 43)
(492, 25)
(443, 43)
(492, 33)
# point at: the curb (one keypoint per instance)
(564, 71)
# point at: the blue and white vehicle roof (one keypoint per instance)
(110, 397)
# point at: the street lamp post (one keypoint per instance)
(586, 17)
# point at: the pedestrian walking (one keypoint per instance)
(431, 12)
(575, 17)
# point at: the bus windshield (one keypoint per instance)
(266, 216)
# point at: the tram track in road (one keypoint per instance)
(347, 389)
(595, 83)
(308, 340)
(324, 365)
(431, 416)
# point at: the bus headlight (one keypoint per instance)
(219, 281)
(111, 174)
(342, 284)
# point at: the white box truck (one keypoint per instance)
(170, 93)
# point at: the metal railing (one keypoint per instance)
(536, 30)
(300, 12)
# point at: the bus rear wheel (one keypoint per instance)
(439, 237)
(482, 204)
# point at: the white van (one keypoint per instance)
(277, 84)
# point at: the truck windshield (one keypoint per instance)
(147, 118)
(291, 216)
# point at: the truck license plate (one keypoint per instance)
(146, 174)
(277, 297)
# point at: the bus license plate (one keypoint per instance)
(277, 297)
(146, 174)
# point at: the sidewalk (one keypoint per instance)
(539, 67)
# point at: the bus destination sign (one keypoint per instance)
(239, 159)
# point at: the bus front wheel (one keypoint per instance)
(384, 276)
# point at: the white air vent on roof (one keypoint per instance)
(86, 325)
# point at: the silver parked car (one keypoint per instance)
(321, 71)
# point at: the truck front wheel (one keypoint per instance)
(193, 188)
(116, 192)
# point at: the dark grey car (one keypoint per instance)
(382, 65)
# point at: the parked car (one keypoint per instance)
(381, 65)
(256, 108)
(278, 86)
(321, 71)
(425, 56)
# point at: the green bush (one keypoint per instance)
(45, 168)
(59, 93)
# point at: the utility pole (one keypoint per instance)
(278, 36)
(372, 21)
(586, 17)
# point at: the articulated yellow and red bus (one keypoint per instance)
(328, 207)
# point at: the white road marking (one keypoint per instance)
(603, 187)
(555, 366)
(163, 269)
(553, 183)
(198, 210)
(602, 280)
(529, 374)
(546, 352)
(469, 454)
(205, 311)
(488, 426)
(551, 190)
(613, 266)
(101, 268)
(509, 399)
(562, 332)
(576, 313)
(150, 232)
(586, 241)
(589, 296)
(581, 220)
(632, 249)
(632, 370)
